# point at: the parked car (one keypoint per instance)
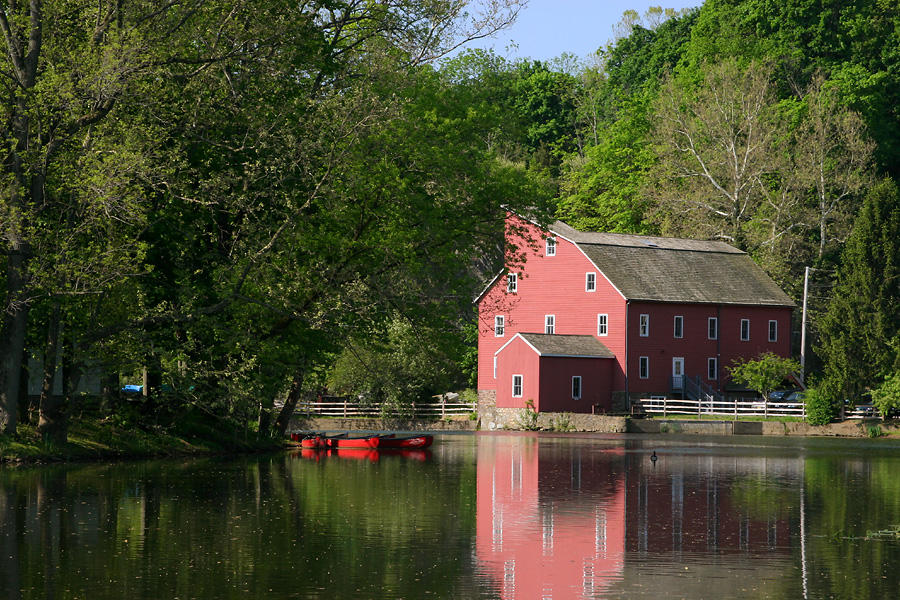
(794, 398)
(861, 406)
(781, 395)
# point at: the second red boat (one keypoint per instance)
(321, 441)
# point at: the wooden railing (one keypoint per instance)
(863, 411)
(725, 407)
(347, 408)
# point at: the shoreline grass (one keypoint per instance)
(99, 439)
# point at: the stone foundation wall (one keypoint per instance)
(523, 419)
(379, 424)
(487, 398)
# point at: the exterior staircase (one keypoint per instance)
(697, 389)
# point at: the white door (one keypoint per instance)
(677, 373)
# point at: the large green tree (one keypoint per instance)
(603, 185)
(69, 68)
(257, 188)
(859, 332)
(855, 44)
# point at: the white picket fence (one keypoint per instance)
(736, 407)
(730, 407)
(347, 408)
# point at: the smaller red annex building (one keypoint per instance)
(589, 317)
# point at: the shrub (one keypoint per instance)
(820, 408)
(562, 422)
(886, 397)
(527, 419)
(875, 431)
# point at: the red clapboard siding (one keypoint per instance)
(552, 285)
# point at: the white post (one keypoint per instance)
(803, 328)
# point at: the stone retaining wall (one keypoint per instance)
(494, 419)
(379, 424)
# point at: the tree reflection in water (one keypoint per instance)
(503, 515)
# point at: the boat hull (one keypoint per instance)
(412, 441)
(391, 441)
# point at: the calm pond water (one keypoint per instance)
(493, 515)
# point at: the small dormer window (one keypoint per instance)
(551, 246)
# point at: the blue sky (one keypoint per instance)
(547, 28)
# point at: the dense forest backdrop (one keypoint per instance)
(252, 201)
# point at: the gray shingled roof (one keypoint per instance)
(657, 269)
(567, 345)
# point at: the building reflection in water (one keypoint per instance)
(551, 517)
(561, 520)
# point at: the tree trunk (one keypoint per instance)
(109, 394)
(24, 399)
(12, 339)
(51, 418)
(290, 403)
(264, 420)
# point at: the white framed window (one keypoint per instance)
(576, 387)
(602, 325)
(551, 247)
(773, 331)
(512, 283)
(713, 328)
(644, 367)
(745, 330)
(590, 282)
(549, 323)
(644, 325)
(679, 326)
(712, 368)
(499, 325)
(517, 386)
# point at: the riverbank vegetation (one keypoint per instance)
(91, 438)
(225, 204)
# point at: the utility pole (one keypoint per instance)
(803, 329)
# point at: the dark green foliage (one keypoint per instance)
(544, 100)
(855, 43)
(233, 199)
(639, 61)
(821, 408)
(859, 332)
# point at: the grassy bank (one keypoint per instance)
(96, 439)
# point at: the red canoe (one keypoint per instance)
(322, 442)
(409, 441)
